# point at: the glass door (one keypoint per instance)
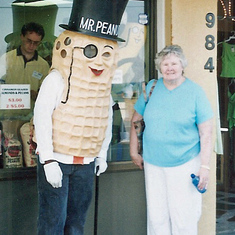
(131, 72)
(226, 89)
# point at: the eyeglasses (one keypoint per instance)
(31, 42)
(90, 51)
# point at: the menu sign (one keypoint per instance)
(15, 96)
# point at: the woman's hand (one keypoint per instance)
(134, 143)
(138, 161)
(205, 133)
(204, 178)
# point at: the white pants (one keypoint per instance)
(173, 203)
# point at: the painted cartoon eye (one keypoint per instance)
(90, 51)
(106, 54)
(135, 30)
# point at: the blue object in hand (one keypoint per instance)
(195, 181)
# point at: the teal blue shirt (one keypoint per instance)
(171, 135)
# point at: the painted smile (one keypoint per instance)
(96, 72)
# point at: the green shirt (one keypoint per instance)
(228, 60)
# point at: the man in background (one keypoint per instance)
(24, 66)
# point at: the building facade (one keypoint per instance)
(147, 26)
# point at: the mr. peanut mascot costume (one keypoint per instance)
(73, 115)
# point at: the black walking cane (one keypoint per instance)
(96, 201)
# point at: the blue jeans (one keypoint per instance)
(62, 211)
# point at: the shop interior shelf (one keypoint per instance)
(17, 173)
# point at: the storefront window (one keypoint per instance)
(129, 75)
(21, 77)
(226, 88)
(18, 91)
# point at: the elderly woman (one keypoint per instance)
(177, 142)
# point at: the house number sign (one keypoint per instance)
(210, 41)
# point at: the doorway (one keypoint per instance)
(226, 90)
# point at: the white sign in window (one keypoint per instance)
(15, 96)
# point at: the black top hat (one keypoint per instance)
(99, 18)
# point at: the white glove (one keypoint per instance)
(53, 174)
(101, 164)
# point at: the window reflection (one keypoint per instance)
(127, 80)
(16, 121)
(23, 66)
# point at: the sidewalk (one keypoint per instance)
(225, 213)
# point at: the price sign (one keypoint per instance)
(14, 96)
